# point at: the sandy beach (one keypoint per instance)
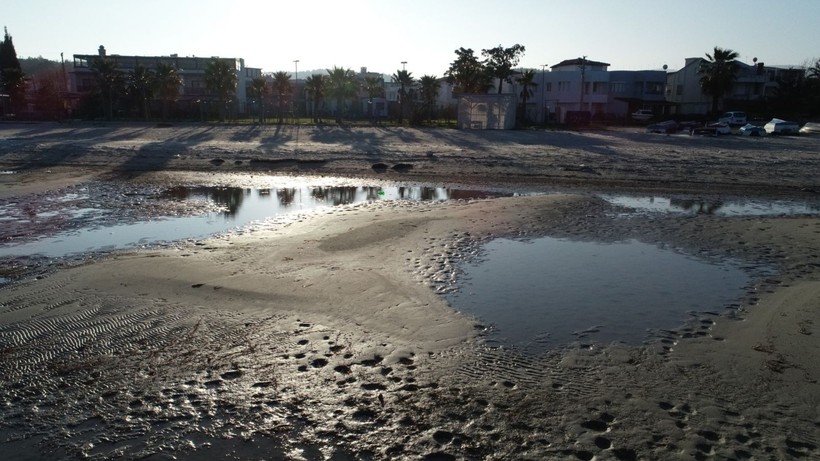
(327, 338)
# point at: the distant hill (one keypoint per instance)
(34, 66)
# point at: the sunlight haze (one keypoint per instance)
(379, 35)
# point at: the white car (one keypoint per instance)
(810, 128)
(734, 117)
(752, 130)
(721, 128)
(642, 114)
(778, 126)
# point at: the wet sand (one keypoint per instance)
(326, 338)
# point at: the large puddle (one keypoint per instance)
(86, 224)
(549, 292)
(733, 206)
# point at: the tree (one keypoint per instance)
(315, 88)
(374, 87)
(343, 87)
(500, 62)
(814, 71)
(166, 83)
(259, 91)
(718, 74)
(526, 80)
(11, 74)
(405, 80)
(141, 87)
(110, 83)
(430, 86)
(220, 80)
(467, 73)
(282, 89)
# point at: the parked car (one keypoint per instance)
(810, 128)
(778, 126)
(666, 127)
(642, 115)
(733, 118)
(712, 129)
(752, 130)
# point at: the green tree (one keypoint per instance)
(718, 74)
(374, 87)
(167, 83)
(430, 86)
(468, 74)
(220, 80)
(500, 62)
(141, 87)
(527, 82)
(11, 74)
(315, 89)
(259, 91)
(110, 83)
(405, 80)
(283, 90)
(343, 87)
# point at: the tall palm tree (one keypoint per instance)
(282, 89)
(374, 87)
(343, 87)
(259, 91)
(526, 80)
(141, 86)
(220, 80)
(110, 83)
(430, 86)
(718, 74)
(405, 79)
(315, 89)
(167, 81)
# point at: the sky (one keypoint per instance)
(380, 35)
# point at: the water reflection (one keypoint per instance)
(719, 206)
(237, 207)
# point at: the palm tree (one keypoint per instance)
(167, 81)
(282, 90)
(430, 86)
(405, 79)
(718, 74)
(259, 91)
(110, 83)
(220, 79)
(315, 87)
(526, 80)
(374, 87)
(141, 86)
(343, 87)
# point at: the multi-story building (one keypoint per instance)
(192, 70)
(753, 83)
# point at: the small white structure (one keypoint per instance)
(486, 111)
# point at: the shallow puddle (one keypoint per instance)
(550, 292)
(718, 207)
(88, 225)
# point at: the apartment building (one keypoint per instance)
(192, 70)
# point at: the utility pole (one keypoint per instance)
(296, 90)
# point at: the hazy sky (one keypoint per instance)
(379, 35)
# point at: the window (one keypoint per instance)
(618, 87)
(563, 86)
(654, 87)
(549, 86)
(679, 90)
(599, 87)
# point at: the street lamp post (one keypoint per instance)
(583, 71)
(296, 90)
(544, 92)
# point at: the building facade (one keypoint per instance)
(193, 91)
